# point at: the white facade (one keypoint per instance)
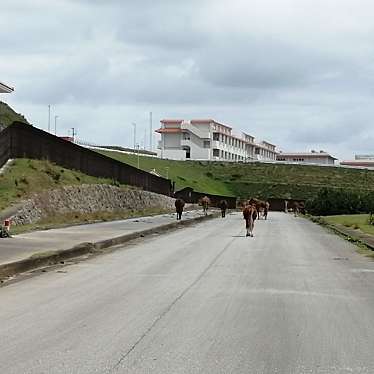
(313, 157)
(206, 139)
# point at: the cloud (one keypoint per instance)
(297, 73)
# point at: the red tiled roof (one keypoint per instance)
(315, 154)
(171, 121)
(358, 163)
(169, 130)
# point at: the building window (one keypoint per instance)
(216, 136)
(215, 152)
(206, 144)
(186, 136)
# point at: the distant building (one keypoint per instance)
(365, 161)
(207, 139)
(313, 157)
(5, 89)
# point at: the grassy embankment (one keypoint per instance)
(354, 221)
(252, 179)
(25, 177)
(8, 115)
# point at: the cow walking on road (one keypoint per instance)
(223, 206)
(250, 215)
(205, 202)
(266, 210)
(179, 205)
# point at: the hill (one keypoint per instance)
(8, 115)
(24, 177)
(253, 179)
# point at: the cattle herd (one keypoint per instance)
(252, 209)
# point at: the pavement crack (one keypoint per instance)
(171, 305)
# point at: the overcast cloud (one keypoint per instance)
(298, 73)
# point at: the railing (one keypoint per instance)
(194, 130)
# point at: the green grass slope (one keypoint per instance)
(355, 221)
(25, 176)
(253, 179)
(8, 115)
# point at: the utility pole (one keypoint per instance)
(138, 155)
(49, 118)
(145, 139)
(73, 133)
(134, 124)
(150, 132)
(56, 125)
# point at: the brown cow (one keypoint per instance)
(223, 206)
(260, 206)
(179, 205)
(205, 202)
(266, 210)
(298, 207)
(250, 215)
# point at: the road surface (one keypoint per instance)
(294, 299)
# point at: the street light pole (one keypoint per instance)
(56, 125)
(134, 124)
(138, 155)
(73, 133)
(49, 118)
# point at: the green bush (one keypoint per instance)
(339, 201)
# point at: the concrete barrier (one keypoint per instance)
(45, 259)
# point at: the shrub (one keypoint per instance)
(338, 201)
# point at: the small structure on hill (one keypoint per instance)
(312, 157)
(361, 161)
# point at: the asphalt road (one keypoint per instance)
(202, 299)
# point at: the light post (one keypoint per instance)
(134, 124)
(167, 172)
(56, 125)
(49, 118)
(73, 133)
(137, 146)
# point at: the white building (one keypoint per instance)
(362, 161)
(313, 157)
(5, 89)
(206, 139)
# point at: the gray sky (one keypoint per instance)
(298, 73)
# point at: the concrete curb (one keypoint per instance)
(45, 259)
(349, 234)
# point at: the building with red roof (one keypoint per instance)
(207, 139)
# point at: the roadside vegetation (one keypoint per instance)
(8, 115)
(353, 221)
(253, 179)
(330, 201)
(24, 177)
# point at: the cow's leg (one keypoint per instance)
(247, 227)
(252, 224)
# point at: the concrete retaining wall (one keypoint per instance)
(88, 199)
